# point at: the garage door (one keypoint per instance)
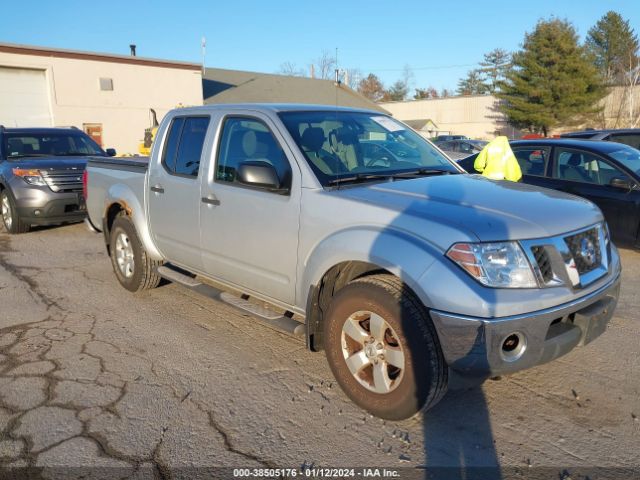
(24, 100)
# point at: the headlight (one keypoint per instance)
(32, 177)
(501, 265)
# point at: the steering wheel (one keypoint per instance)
(380, 160)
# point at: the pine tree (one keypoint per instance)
(396, 92)
(614, 45)
(472, 84)
(494, 68)
(553, 81)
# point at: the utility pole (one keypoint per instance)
(204, 53)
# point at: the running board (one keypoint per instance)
(264, 315)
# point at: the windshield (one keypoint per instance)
(361, 146)
(47, 145)
(629, 157)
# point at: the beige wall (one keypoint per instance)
(474, 116)
(75, 96)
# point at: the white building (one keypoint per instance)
(108, 96)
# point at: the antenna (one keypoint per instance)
(203, 45)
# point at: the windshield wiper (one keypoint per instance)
(423, 171)
(10, 157)
(360, 177)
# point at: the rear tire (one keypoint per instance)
(10, 217)
(131, 263)
(383, 348)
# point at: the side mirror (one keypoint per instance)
(111, 152)
(623, 183)
(260, 174)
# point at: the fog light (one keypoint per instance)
(37, 213)
(513, 346)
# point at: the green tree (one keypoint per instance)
(614, 45)
(553, 80)
(472, 84)
(396, 92)
(371, 87)
(493, 68)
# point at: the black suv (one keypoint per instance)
(41, 175)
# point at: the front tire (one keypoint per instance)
(10, 217)
(383, 348)
(133, 267)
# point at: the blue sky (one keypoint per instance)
(439, 40)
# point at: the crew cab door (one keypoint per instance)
(173, 191)
(249, 234)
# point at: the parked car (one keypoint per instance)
(607, 173)
(385, 152)
(446, 138)
(41, 175)
(629, 136)
(411, 277)
(457, 149)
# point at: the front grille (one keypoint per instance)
(63, 180)
(585, 249)
(544, 263)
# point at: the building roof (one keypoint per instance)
(95, 56)
(235, 86)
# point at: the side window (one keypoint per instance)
(633, 140)
(191, 143)
(183, 146)
(245, 139)
(586, 168)
(171, 144)
(532, 161)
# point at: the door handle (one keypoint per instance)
(211, 200)
(157, 189)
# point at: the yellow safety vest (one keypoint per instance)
(497, 161)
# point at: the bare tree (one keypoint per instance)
(352, 77)
(325, 65)
(291, 69)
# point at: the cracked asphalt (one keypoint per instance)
(151, 385)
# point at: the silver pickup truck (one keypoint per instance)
(410, 274)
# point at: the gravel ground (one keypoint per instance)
(148, 385)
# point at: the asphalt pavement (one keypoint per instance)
(151, 385)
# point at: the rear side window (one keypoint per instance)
(247, 139)
(532, 161)
(183, 147)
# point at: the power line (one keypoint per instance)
(440, 67)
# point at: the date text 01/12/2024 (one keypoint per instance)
(315, 472)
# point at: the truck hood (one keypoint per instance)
(490, 210)
(50, 163)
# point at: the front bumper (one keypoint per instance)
(473, 347)
(41, 206)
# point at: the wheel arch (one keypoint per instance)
(340, 259)
(121, 198)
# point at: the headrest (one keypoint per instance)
(346, 136)
(249, 143)
(574, 160)
(312, 139)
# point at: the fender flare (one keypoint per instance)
(390, 249)
(122, 195)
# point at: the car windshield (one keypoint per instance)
(629, 157)
(353, 146)
(48, 144)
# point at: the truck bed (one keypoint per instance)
(123, 177)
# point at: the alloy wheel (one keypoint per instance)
(372, 352)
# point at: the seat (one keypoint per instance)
(311, 141)
(574, 170)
